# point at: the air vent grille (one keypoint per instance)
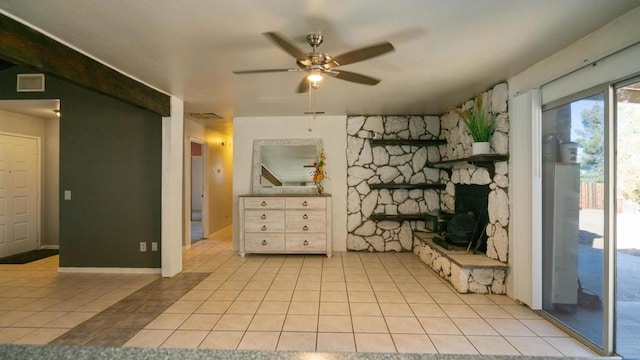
(30, 83)
(205, 116)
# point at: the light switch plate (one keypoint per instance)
(67, 194)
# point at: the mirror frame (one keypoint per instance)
(256, 165)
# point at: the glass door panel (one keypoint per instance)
(627, 290)
(573, 215)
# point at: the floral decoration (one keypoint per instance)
(319, 173)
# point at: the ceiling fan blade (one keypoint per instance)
(360, 54)
(353, 77)
(286, 45)
(264, 71)
(303, 87)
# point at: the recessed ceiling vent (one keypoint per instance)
(30, 83)
(205, 116)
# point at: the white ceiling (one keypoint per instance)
(446, 51)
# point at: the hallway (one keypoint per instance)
(365, 302)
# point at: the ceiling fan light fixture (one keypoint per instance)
(314, 76)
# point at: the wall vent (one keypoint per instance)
(30, 83)
(205, 116)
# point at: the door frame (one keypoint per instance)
(613, 214)
(38, 183)
(187, 190)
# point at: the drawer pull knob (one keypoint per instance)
(305, 228)
(264, 216)
(305, 243)
(264, 203)
(264, 242)
(305, 216)
(304, 203)
(264, 227)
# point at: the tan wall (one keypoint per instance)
(220, 169)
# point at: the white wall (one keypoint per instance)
(332, 131)
(47, 130)
(172, 189)
(615, 36)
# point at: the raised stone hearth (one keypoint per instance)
(468, 273)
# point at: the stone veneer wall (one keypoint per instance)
(459, 146)
(369, 164)
(406, 164)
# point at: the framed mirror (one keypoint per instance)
(284, 166)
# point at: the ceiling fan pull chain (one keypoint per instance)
(311, 110)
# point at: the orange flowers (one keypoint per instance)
(319, 173)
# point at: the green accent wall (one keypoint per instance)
(111, 160)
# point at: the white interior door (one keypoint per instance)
(18, 194)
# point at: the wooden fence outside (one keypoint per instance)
(591, 195)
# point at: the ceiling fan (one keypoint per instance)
(316, 64)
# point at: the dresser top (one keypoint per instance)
(285, 195)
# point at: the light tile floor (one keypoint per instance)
(366, 302)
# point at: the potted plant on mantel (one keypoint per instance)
(480, 123)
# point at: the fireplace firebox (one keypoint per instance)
(463, 229)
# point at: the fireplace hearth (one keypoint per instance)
(463, 229)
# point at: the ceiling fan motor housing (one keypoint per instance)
(315, 40)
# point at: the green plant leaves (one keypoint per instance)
(479, 121)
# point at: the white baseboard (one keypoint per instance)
(51, 247)
(107, 270)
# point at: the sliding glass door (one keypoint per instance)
(573, 216)
(591, 216)
(627, 290)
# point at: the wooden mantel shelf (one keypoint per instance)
(398, 218)
(412, 142)
(486, 161)
(407, 186)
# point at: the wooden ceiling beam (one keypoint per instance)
(23, 45)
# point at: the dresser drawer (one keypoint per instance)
(285, 224)
(269, 242)
(306, 203)
(263, 203)
(264, 220)
(306, 242)
(306, 221)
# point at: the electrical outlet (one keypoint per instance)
(154, 246)
(143, 246)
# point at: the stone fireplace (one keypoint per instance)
(395, 178)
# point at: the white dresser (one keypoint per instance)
(285, 224)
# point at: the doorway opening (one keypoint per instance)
(30, 132)
(198, 183)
